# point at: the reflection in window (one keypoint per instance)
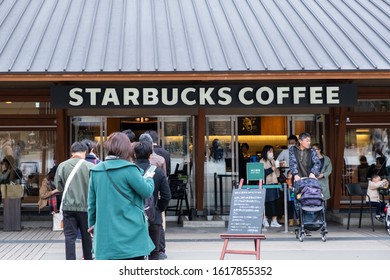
(366, 152)
(373, 106)
(30, 154)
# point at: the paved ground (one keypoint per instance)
(38, 242)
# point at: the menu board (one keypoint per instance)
(246, 211)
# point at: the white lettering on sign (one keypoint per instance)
(130, 94)
(110, 96)
(241, 96)
(92, 94)
(174, 96)
(184, 97)
(298, 92)
(332, 95)
(204, 96)
(75, 98)
(226, 98)
(260, 96)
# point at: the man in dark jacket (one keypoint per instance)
(162, 193)
(303, 159)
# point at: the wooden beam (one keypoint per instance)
(200, 128)
(205, 76)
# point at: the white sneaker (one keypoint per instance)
(265, 223)
(275, 224)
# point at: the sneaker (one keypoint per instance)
(265, 223)
(275, 224)
(162, 256)
(379, 219)
(307, 232)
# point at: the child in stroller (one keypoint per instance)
(310, 208)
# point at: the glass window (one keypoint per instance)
(26, 108)
(366, 152)
(372, 106)
(30, 155)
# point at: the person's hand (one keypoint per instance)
(55, 191)
(312, 176)
(321, 175)
(90, 230)
(297, 178)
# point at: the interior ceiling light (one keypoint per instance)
(8, 102)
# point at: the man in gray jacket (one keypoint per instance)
(74, 200)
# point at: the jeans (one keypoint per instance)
(154, 233)
(74, 220)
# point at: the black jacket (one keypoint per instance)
(162, 192)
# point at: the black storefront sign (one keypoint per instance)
(246, 211)
(210, 95)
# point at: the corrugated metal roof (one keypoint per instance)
(193, 35)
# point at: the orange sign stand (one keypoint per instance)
(255, 237)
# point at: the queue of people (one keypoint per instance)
(103, 201)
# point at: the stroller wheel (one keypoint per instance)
(324, 237)
(301, 237)
(388, 230)
(296, 233)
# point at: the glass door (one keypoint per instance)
(176, 136)
(220, 163)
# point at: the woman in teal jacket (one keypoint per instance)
(117, 223)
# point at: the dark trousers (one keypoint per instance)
(74, 220)
(379, 207)
(162, 240)
(154, 233)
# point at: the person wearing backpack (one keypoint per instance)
(162, 194)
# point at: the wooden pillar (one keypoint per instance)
(338, 121)
(200, 134)
(62, 143)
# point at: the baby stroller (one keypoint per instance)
(310, 208)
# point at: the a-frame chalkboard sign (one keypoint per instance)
(246, 218)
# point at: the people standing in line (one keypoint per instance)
(117, 190)
(271, 174)
(166, 155)
(292, 140)
(373, 193)
(48, 192)
(304, 161)
(243, 159)
(74, 203)
(326, 170)
(156, 159)
(91, 152)
(162, 194)
(129, 134)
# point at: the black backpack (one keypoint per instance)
(150, 208)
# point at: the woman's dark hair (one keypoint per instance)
(90, 145)
(265, 151)
(143, 149)
(245, 145)
(118, 144)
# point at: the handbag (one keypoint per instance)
(12, 190)
(58, 223)
(282, 178)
